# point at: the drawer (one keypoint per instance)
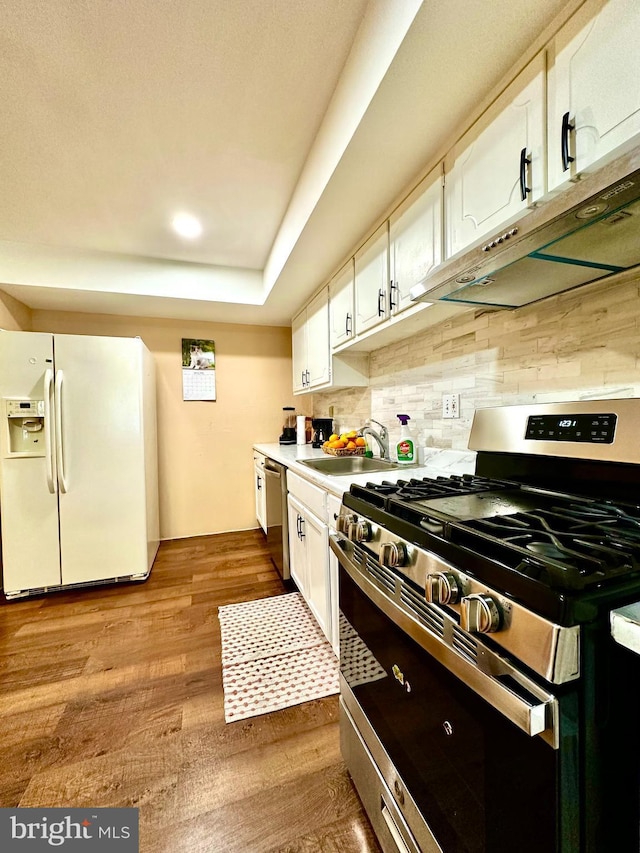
(311, 496)
(333, 508)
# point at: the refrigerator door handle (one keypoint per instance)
(57, 401)
(49, 438)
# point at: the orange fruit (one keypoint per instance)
(360, 441)
(351, 445)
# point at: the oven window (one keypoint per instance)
(482, 785)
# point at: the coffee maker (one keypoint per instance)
(289, 426)
(322, 429)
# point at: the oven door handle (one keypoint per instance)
(534, 718)
(393, 829)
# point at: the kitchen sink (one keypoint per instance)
(338, 466)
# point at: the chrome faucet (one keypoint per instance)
(382, 437)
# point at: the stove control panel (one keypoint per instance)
(593, 429)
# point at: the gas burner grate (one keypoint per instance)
(569, 546)
(379, 494)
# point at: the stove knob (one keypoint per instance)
(393, 554)
(359, 531)
(442, 588)
(479, 614)
(343, 522)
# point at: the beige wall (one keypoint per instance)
(205, 448)
(14, 316)
(583, 344)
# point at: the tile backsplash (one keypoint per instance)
(578, 345)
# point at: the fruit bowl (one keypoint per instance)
(343, 451)
(346, 444)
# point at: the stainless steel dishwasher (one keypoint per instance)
(277, 526)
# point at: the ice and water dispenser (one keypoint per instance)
(25, 425)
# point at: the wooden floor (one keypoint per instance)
(112, 696)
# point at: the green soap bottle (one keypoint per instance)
(405, 450)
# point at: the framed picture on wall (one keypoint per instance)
(198, 369)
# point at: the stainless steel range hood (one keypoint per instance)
(587, 232)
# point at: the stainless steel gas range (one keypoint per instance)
(485, 707)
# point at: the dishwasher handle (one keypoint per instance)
(270, 469)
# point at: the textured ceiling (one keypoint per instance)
(286, 126)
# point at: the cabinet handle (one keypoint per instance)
(524, 162)
(298, 519)
(307, 375)
(302, 375)
(380, 302)
(348, 327)
(258, 481)
(302, 527)
(392, 304)
(567, 127)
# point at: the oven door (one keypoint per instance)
(466, 745)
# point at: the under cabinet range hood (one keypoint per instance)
(586, 232)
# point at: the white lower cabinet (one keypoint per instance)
(309, 547)
(333, 509)
(260, 490)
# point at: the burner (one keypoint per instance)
(563, 542)
(428, 488)
(546, 549)
(575, 545)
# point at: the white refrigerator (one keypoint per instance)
(78, 461)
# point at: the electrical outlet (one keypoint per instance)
(451, 405)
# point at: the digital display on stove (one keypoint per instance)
(594, 429)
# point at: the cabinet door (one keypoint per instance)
(486, 169)
(318, 357)
(341, 306)
(372, 280)
(316, 543)
(261, 497)
(333, 509)
(594, 87)
(415, 240)
(299, 350)
(297, 556)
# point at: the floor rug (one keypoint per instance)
(274, 655)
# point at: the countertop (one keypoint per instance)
(439, 462)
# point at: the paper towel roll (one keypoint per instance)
(301, 432)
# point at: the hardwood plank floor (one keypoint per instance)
(113, 697)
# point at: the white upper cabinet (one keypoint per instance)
(497, 169)
(594, 88)
(415, 240)
(318, 358)
(299, 350)
(310, 344)
(341, 306)
(372, 280)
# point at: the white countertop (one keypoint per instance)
(440, 462)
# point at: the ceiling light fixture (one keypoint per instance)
(187, 226)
